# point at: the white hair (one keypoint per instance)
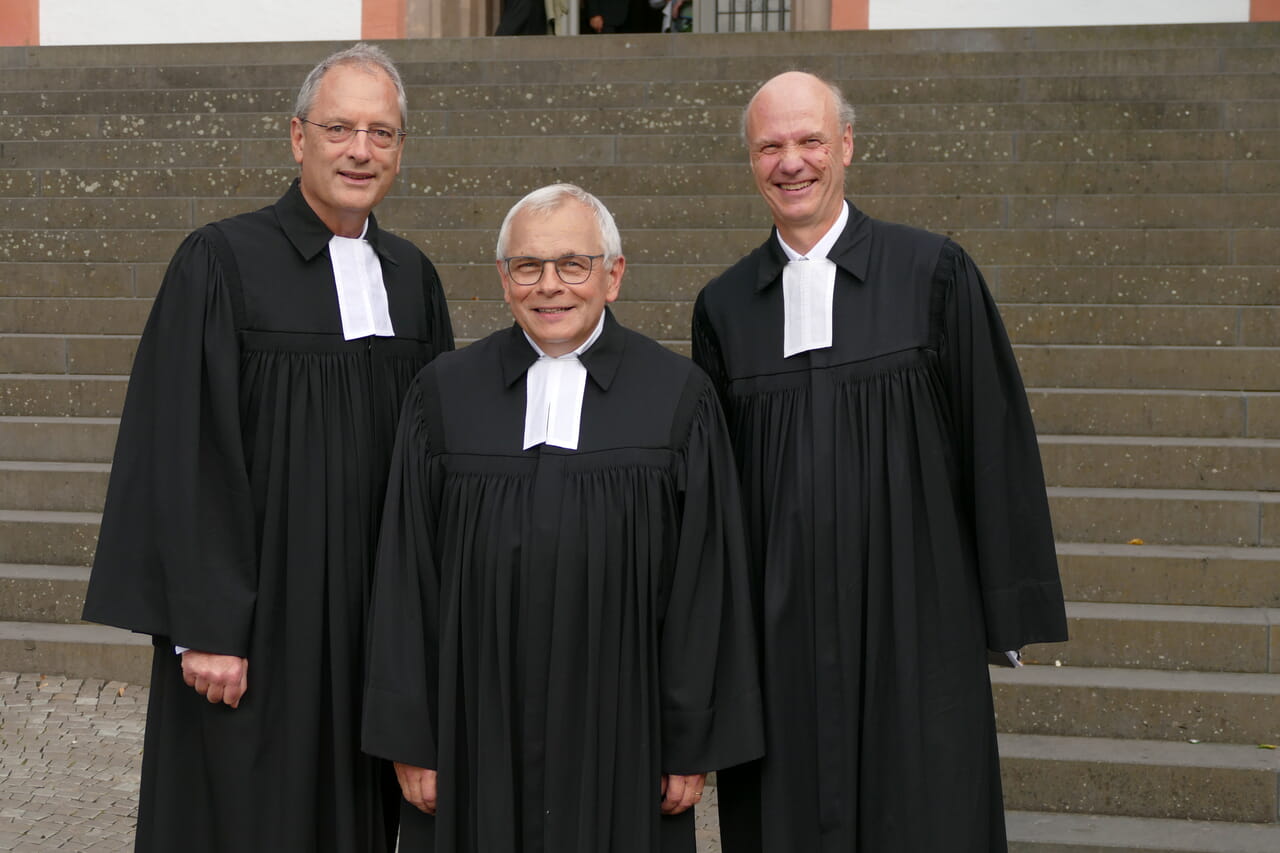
(553, 196)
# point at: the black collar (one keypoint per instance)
(601, 359)
(851, 251)
(308, 234)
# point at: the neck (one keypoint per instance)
(805, 237)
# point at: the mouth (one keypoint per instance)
(552, 310)
(797, 186)
(357, 177)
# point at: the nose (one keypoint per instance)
(550, 281)
(359, 147)
(789, 159)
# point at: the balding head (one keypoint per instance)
(799, 144)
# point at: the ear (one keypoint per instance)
(506, 285)
(614, 286)
(295, 138)
(847, 139)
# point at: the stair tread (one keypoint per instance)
(1141, 752)
(51, 632)
(1164, 835)
(1138, 679)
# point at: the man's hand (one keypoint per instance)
(679, 793)
(218, 678)
(418, 784)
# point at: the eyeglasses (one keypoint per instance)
(572, 269)
(381, 137)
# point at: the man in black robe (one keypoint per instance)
(246, 491)
(560, 639)
(895, 504)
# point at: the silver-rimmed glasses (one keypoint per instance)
(572, 269)
(382, 137)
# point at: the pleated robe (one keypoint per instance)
(554, 629)
(898, 527)
(241, 518)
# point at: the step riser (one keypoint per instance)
(1132, 412)
(41, 600)
(1143, 790)
(1119, 712)
(1168, 645)
(48, 543)
(74, 491)
(71, 397)
(1165, 521)
(128, 663)
(1160, 466)
(1207, 581)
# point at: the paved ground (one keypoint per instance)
(70, 759)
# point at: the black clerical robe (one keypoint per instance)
(241, 519)
(553, 629)
(898, 526)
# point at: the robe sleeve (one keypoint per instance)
(176, 551)
(403, 650)
(711, 707)
(441, 326)
(706, 349)
(999, 460)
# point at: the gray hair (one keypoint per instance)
(551, 197)
(363, 55)
(845, 114)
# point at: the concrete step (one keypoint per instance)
(1047, 832)
(1163, 636)
(723, 246)
(44, 396)
(1140, 778)
(58, 439)
(576, 120)
(693, 145)
(1160, 284)
(47, 537)
(1198, 575)
(1171, 368)
(86, 353)
(1024, 86)
(626, 179)
(88, 651)
(1166, 516)
(1161, 463)
(709, 47)
(1151, 705)
(1188, 59)
(59, 486)
(1143, 325)
(57, 279)
(1124, 411)
(42, 593)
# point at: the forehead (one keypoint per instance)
(784, 111)
(569, 227)
(353, 89)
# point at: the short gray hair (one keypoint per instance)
(845, 113)
(361, 55)
(551, 197)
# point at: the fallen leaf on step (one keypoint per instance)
(1136, 542)
(1266, 746)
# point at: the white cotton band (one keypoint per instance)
(362, 295)
(808, 288)
(553, 395)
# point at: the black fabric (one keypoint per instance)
(522, 18)
(898, 528)
(240, 519)
(553, 629)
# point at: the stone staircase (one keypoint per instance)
(1119, 186)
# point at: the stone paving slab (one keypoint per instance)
(71, 765)
(70, 762)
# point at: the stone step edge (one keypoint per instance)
(1158, 680)
(1153, 753)
(1186, 552)
(1203, 614)
(1060, 832)
(53, 632)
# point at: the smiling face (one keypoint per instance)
(342, 182)
(559, 317)
(799, 152)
